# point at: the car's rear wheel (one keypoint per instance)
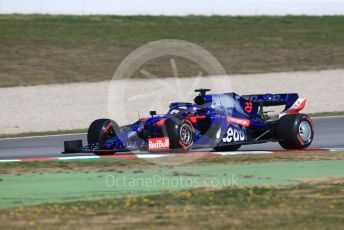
(100, 131)
(226, 148)
(180, 134)
(295, 131)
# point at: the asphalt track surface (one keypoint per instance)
(329, 133)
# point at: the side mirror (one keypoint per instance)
(152, 113)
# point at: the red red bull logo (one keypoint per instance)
(161, 143)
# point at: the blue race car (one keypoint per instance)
(223, 122)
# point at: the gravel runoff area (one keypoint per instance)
(75, 105)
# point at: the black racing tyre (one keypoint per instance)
(180, 134)
(101, 130)
(226, 148)
(295, 131)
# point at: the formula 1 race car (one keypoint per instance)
(223, 122)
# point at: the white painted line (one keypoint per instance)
(79, 157)
(243, 152)
(11, 160)
(336, 149)
(152, 155)
(54, 135)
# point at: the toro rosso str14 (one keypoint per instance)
(223, 122)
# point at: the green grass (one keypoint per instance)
(66, 186)
(61, 49)
(305, 206)
(314, 202)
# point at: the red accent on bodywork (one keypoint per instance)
(193, 118)
(160, 122)
(297, 106)
(143, 119)
(239, 121)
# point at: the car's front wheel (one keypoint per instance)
(180, 134)
(100, 131)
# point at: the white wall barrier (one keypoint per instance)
(174, 7)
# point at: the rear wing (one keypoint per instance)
(293, 103)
